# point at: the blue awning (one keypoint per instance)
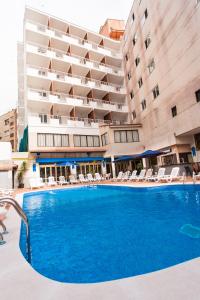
(72, 160)
(145, 154)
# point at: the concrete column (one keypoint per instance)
(73, 170)
(113, 166)
(144, 163)
(103, 168)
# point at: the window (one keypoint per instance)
(12, 135)
(86, 141)
(140, 82)
(6, 122)
(52, 140)
(156, 92)
(197, 141)
(137, 61)
(174, 111)
(126, 57)
(43, 118)
(131, 95)
(126, 136)
(104, 139)
(134, 115)
(129, 76)
(144, 17)
(144, 104)
(133, 17)
(147, 41)
(151, 66)
(197, 93)
(134, 39)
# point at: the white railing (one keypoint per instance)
(61, 34)
(57, 120)
(79, 59)
(81, 80)
(43, 95)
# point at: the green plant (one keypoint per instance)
(20, 175)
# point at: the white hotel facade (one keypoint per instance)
(72, 98)
(87, 99)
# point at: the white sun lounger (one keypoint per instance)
(119, 177)
(161, 173)
(196, 176)
(90, 177)
(39, 182)
(62, 180)
(72, 179)
(98, 177)
(133, 175)
(149, 174)
(125, 176)
(141, 176)
(82, 178)
(173, 176)
(51, 181)
(33, 183)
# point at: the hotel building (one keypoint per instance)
(73, 102)
(8, 128)
(162, 75)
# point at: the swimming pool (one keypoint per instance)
(96, 234)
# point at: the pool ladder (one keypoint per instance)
(10, 201)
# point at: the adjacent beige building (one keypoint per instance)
(8, 128)
(162, 74)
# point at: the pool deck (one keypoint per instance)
(18, 280)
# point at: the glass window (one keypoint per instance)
(83, 141)
(197, 93)
(104, 139)
(129, 136)
(117, 136)
(156, 92)
(131, 95)
(57, 140)
(65, 140)
(77, 141)
(123, 137)
(90, 141)
(135, 135)
(96, 141)
(151, 66)
(197, 141)
(140, 82)
(137, 61)
(49, 140)
(41, 140)
(174, 111)
(147, 41)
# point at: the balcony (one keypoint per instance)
(74, 100)
(71, 39)
(35, 119)
(73, 59)
(72, 79)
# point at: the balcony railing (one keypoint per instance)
(75, 100)
(80, 41)
(58, 120)
(75, 79)
(83, 61)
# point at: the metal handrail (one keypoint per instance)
(17, 207)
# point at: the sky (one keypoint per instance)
(87, 13)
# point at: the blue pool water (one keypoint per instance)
(95, 234)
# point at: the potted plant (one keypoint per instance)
(20, 175)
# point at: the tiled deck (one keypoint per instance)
(19, 281)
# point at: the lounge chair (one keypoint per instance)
(141, 176)
(72, 179)
(161, 173)
(125, 176)
(173, 176)
(82, 178)
(133, 175)
(90, 177)
(33, 183)
(39, 182)
(196, 176)
(98, 177)
(149, 174)
(119, 177)
(62, 180)
(51, 181)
